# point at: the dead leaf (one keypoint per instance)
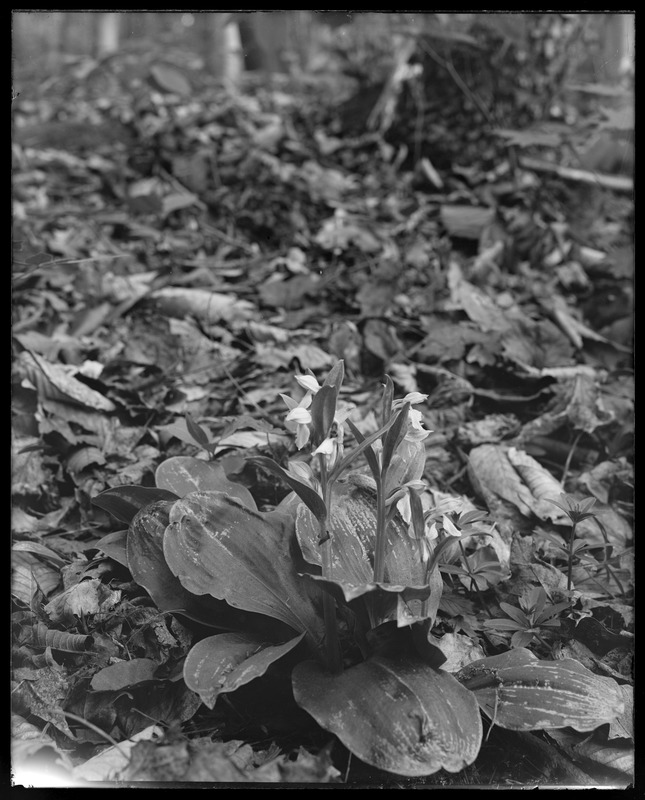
(209, 307)
(57, 382)
(89, 597)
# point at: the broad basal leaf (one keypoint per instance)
(401, 716)
(184, 474)
(522, 693)
(148, 567)
(217, 546)
(227, 661)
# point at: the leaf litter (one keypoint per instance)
(161, 305)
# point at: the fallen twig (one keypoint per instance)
(619, 183)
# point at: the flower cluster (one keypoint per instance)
(299, 420)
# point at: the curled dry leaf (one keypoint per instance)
(83, 599)
(209, 307)
(55, 382)
(518, 478)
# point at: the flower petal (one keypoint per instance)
(299, 415)
(308, 382)
(413, 398)
(302, 436)
(449, 527)
(289, 402)
(327, 447)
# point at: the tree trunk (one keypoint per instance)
(265, 40)
(215, 42)
(107, 39)
(618, 46)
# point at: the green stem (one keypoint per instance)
(332, 642)
(570, 566)
(381, 532)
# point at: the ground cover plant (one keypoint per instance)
(322, 431)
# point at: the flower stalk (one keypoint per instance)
(332, 641)
(381, 532)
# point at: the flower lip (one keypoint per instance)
(327, 447)
(299, 415)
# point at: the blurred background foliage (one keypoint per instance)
(410, 77)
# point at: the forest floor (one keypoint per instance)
(181, 252)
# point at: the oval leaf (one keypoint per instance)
(146, 562)
(124, 673)
(215, 545)
(123, 502)
(185, 474)
(196, 431)
(169, 79)
(522, 693)
(399, 716)
(227, 661)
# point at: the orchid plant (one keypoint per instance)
(345, 574)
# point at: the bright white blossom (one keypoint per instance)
(416, 432)
(427, 549)
(308, 383)
(413, 398)
(403, 500)
(332, 446)
(299, 415)
(298, 418)
(328, 447)
(432, 532)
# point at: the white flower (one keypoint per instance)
(299, 415)
(413, 398)
(432, 532)
(416, 432)
(427, 549)
(403, 498)
(308, 383)
(298, 418)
